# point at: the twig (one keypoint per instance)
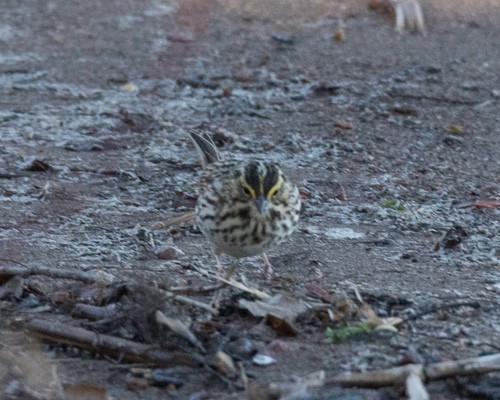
(433, 309)
(188, 217)
(196, 289)
(237, 285)
(5, 175)
(127, 350)
(192, 302)
(398, 375)
(378, 378)
(94, 313)
(241, 286)
(469, 366)
(85, 276)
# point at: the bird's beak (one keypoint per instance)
(261, 203)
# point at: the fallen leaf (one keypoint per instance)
(280, 306)
(370, 315)
(379, 323)
(282, 326)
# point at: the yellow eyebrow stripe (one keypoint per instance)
(275, 188)
(247, 186)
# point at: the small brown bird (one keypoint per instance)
(244, 207)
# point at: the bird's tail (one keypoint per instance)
(205, 146)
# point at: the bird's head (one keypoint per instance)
(263, 182)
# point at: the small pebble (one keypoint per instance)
(168, 252)
(263, 360)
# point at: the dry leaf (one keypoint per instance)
(280, 306)
(282, 327)
(388, 323)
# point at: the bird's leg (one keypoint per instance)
(268, 268)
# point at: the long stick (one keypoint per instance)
(126, 350)
(60, 273)
(397, 375)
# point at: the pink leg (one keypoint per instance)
(268, 268)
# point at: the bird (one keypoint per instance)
(244, 207)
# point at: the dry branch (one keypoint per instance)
(398, 375)
(196, 289)
(473, 304)
(191, 302)
(59, 273)
(94, 313)
(378, 378)
(257, 293)
(126, 350)
(469, 366)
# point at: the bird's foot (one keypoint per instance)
(268, 270)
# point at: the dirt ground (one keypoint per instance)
(94, 99)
